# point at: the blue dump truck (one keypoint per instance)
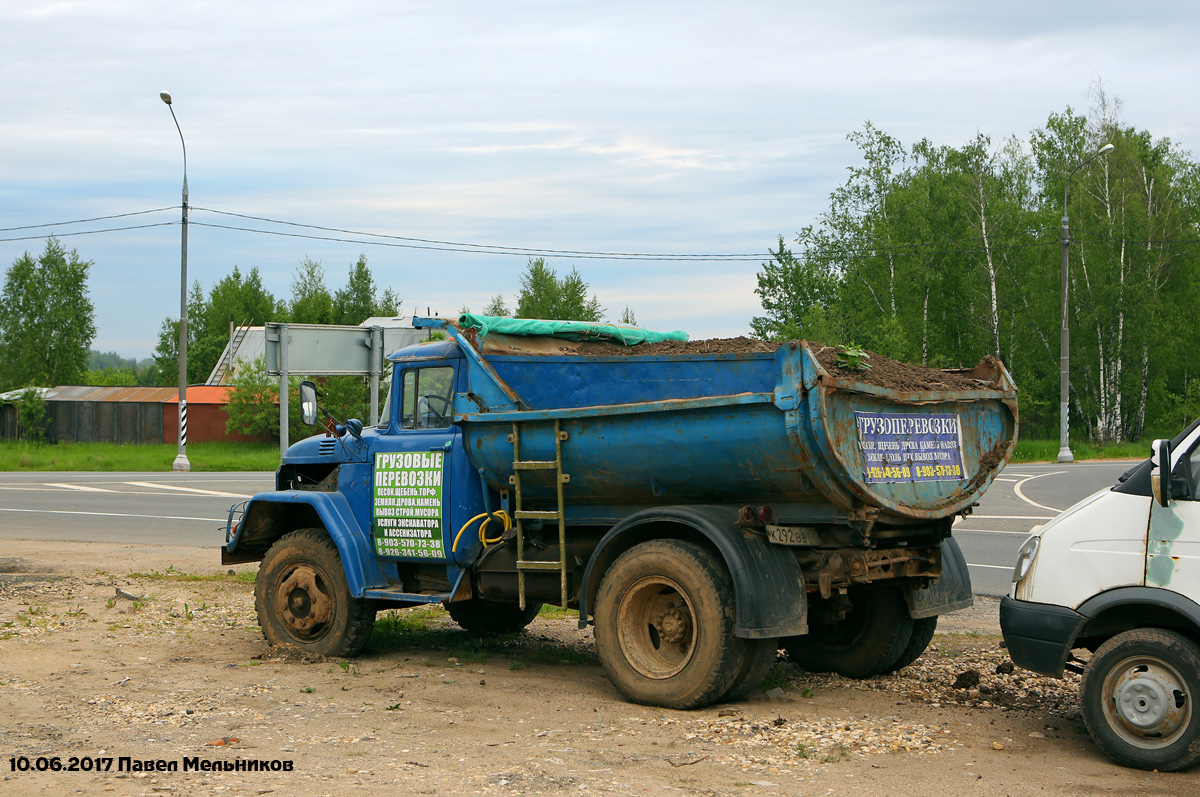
(702, 509)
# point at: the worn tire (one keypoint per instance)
(922, 635)
(1140, 693)
(757, 658)
(302, 597)
(867, 641)
(483, 616)
(664, 624)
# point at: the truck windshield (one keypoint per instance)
(427, 400)
(385, 385)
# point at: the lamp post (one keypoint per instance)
(1064, 449)
(181, 461)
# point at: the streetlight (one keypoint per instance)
(181, 461)
(1064, 449)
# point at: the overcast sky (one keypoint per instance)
(657, 127)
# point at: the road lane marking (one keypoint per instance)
(79, 487)
(993, 567)
(1007, 517)
(194, 490)
(991, 531)
(1021, 495)
(112, 514)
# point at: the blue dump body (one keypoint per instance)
(772, 429)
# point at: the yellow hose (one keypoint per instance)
(483, 538)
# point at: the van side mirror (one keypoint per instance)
(1160, 479)
(308, 402)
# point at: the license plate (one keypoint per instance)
(793, 535)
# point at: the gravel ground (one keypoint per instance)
(96, 660)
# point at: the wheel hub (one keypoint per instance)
(1143, 702)
(672, 626)
(303, 603)
(1149, 701)
(656, 628)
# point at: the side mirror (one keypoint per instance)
(308, 402)
(1160, 479)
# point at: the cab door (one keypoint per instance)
(410, 515)
(1173, 542)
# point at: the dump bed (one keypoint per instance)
(780, 426)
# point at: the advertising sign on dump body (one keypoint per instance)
(899, 447)
(407, 511)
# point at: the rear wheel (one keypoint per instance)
(867, 641)
(757, 659)
(302, 597)
(483, 616)
(664, 625)
(918, 641)
(1139, 699)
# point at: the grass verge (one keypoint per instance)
(20, 455)
(1047, 450)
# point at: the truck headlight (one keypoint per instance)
(1025, 557)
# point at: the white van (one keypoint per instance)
(1118, 575)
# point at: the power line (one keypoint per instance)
(516, 252)
(85, 221)
(498, 249)
(88, 232)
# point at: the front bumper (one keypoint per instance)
(1039, 636)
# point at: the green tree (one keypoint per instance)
(359, 299)
(253, 406)
(943, 254)
(239, 298)
(497, 307)
(47, 321)
(311, 301)
(112, 377)
(546, 296)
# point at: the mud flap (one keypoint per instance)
(951, 592)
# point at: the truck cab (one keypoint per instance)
(1111, 589)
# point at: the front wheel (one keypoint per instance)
(1139, 699)
(302, 597)
(664, 624)
(868, 640)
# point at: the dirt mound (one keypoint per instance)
(741, 345)
(884, 372)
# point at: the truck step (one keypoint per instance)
(530, 514)
(535, 565)
(398, 594)
(531, 464)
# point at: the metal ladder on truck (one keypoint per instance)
(521, 514)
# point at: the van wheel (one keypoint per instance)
(867, 641)
(302, 597)
(1139, 699)
(483, 616)
(664, 625)
(918, 641)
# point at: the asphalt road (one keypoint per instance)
(154, 508)
(191, 508)
(1022, 498)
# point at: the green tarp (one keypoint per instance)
(568, 330)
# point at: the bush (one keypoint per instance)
(31, 416)
(254, 402)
